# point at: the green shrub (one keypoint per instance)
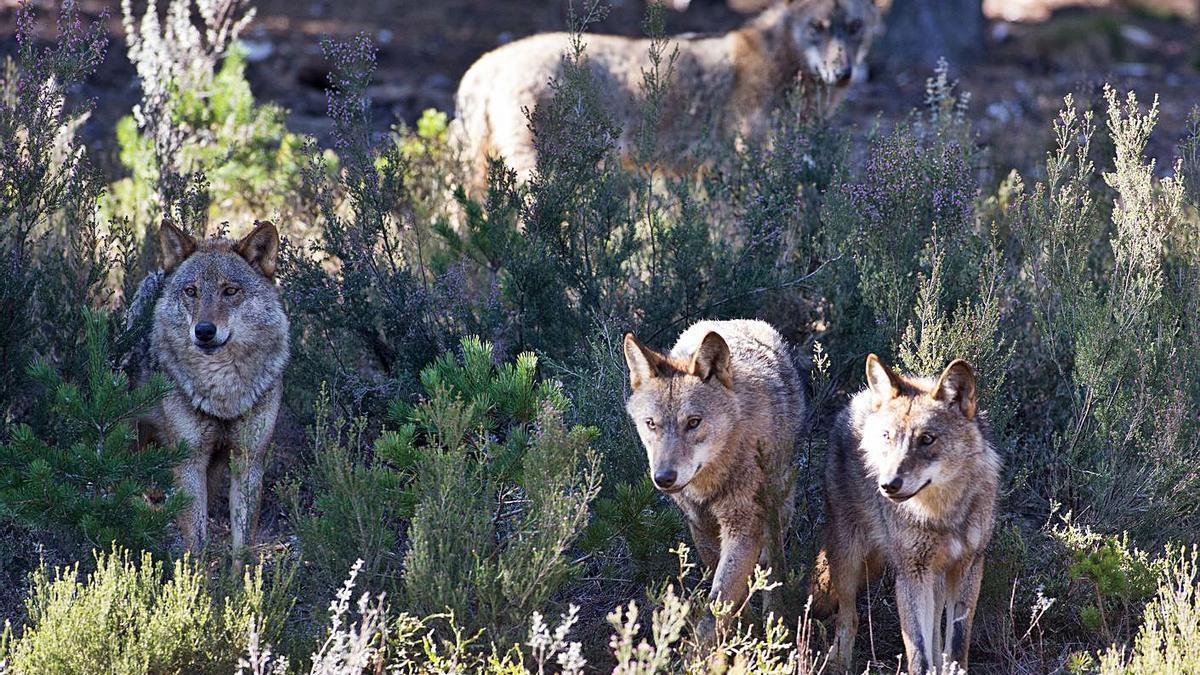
(503, 489)
(128, 617)
(1115, 389)
(1169, 639)
(88, 479)
(1119, 576)
(350, 505)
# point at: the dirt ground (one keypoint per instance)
(425, 47)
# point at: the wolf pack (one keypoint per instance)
(911, 474)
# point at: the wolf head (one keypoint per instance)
(919, 434)
(218, 286)
(684, 407)
(219, 327)
(827, 37)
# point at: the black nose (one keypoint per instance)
(206, 331)
(665, 478)
(893, 486)
(844, 76)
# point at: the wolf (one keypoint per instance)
(220, 336)
(719, 417)
(910, 484)
(728, 84)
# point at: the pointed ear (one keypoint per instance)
(261, 247)
(643, 362)
(881, 380)
(712, 359)
(957, 386)
(175, 245)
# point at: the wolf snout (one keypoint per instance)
(664, 479)
(206, 331)
(892, 487)
(842, 77)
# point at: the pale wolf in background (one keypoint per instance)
(220, 336)
(719, 416)
(728, 84)
(910, 483)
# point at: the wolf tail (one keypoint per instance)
(143, 301)
(820, 588)
(138, 316)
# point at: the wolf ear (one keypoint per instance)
(175, 245)
(261, 247)
(643, 362)
(957, 385)
(712, 359)
(882, 382)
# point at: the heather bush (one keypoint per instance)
(54, 250)
(197, 125)
(133, 616)
(367, 312)
(1122, 441)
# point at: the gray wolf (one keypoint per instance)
(728, 84)
(718, 416)
(910, 483)
(220, 336)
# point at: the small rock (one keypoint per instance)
(1138, 36)
(256, 50)
(385, 36)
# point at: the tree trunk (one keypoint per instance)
(919, 32)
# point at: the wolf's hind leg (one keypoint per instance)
(846, 579)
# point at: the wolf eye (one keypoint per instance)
(650, 424)
(817, 25)
(926, 438)
(693, 422)
(190, 291)
(230, 290)
(887, 434)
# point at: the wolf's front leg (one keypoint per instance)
(916, 600)
(245, 496)
(190, 478)
(960, 612)
(247, 464)
(739, 554)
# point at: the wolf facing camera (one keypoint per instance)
(219, 335)
(719, 416)
(910, 484)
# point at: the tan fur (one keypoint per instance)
(725, 84)
(910, 484)
(227, 391)
(722, 410)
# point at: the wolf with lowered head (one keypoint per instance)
(910, 483)
(220, 336)
(719, 415)
(727, 84)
